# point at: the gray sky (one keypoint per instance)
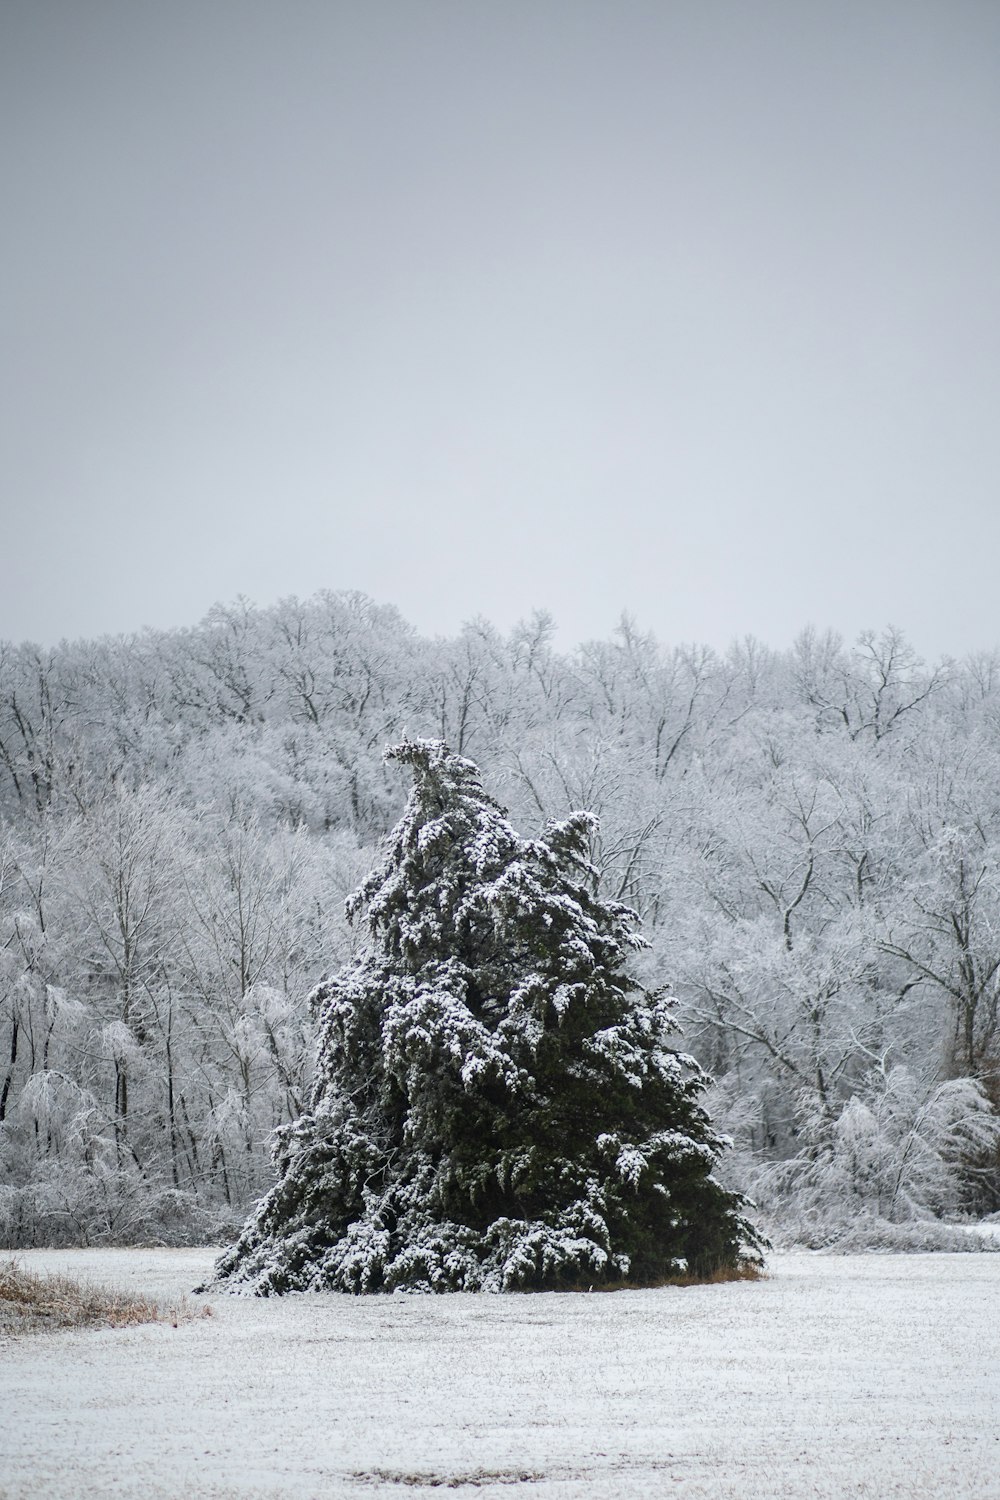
(690, 308)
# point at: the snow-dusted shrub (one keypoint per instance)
(893, 1158)
(497, 1104)
(62, 1182)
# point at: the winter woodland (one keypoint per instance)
(810, 838)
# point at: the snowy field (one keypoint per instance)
(867, 1376)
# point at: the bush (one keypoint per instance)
(887, 1171)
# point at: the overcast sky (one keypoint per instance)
(688, 308)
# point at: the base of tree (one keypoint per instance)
(748, 1271)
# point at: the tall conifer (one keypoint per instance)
(497, 1104)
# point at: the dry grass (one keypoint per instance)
(31, 1303)
(474, 1479)
(746, 1271)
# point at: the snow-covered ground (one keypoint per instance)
(870, 1376)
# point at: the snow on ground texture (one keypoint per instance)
(869, 1376)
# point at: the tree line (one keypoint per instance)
(810, 837)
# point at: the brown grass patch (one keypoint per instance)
(32, 1303)
(747, 1271)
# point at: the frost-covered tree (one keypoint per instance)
(901, 1152)
(497, 1102)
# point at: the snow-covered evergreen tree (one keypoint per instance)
(497, 1104)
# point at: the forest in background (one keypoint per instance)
(811, 838)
